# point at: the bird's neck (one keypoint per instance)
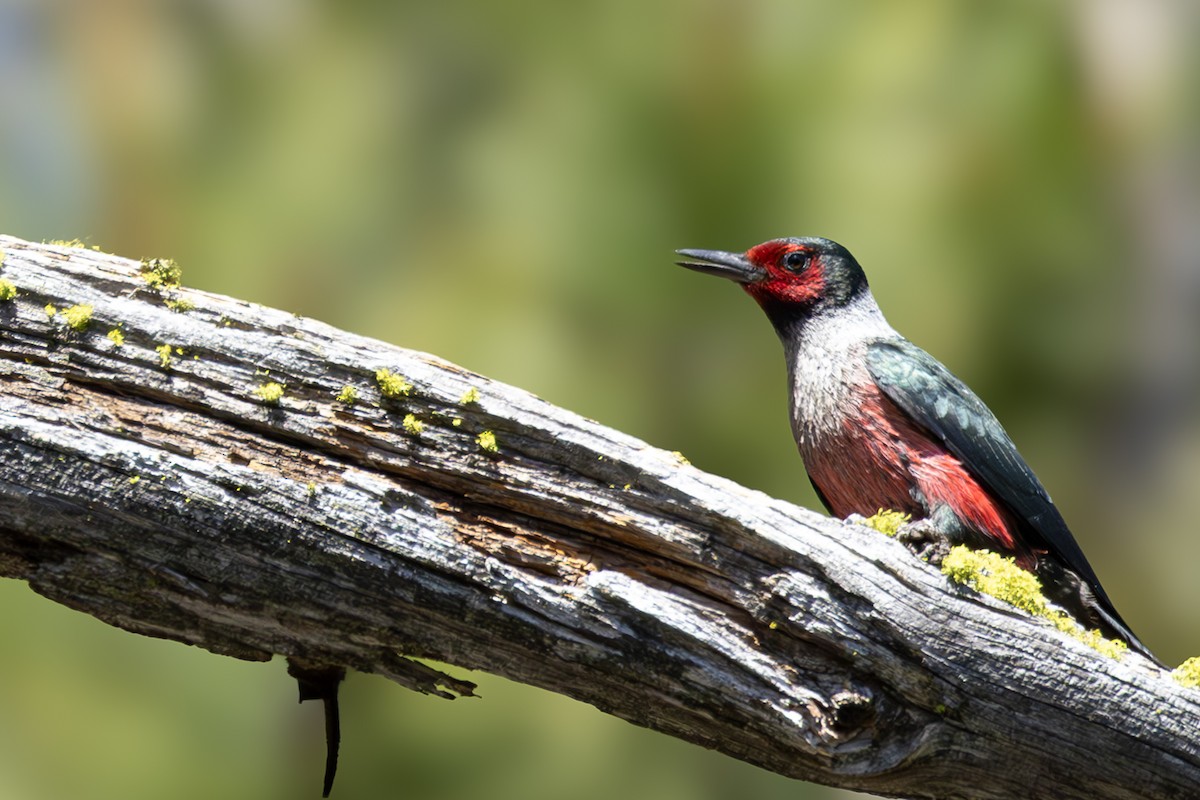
(832, 330)
(826, 361)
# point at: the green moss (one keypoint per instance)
(469, 397)
(999, 576)
(1187, 674)
(116, 337)
(347, 396)
(270, 393)
(8, 291)
(887, 522)
(487, 442)
(392, 385)
(164, 355)
(161, 273)
(78, 317)
(412, 425)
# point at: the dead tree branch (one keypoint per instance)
(153, 479)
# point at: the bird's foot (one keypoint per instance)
(925, 540)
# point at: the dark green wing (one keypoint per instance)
(944, 406)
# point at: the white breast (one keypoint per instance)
(826, 359)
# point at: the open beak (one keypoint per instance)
(733, 266)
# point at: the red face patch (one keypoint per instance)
(795, 273)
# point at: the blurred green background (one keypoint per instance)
(503, 184)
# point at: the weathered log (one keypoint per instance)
(205, 475)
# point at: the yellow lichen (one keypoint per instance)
(1093, 638)
(392, 385)
(161, 273)
(164, 355)
(78, 317)
(8, 291)
(887, 522)
(50, 310)
(680, 457)
(412, 425)
(348, 395)
(73, 243)
(487, 442)
(1187, 674)
(116, 337)
(469, 396)
(996, 575)
(1000, 577)
(270, 393)
(179, 305)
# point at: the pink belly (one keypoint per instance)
(875, 461)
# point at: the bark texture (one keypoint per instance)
(153, 484)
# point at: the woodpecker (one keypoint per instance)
(881, 424)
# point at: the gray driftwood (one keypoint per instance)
(164, 496)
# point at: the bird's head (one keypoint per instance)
(792, 276)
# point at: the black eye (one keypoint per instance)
(796, 261)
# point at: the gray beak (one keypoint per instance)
(733, 266)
